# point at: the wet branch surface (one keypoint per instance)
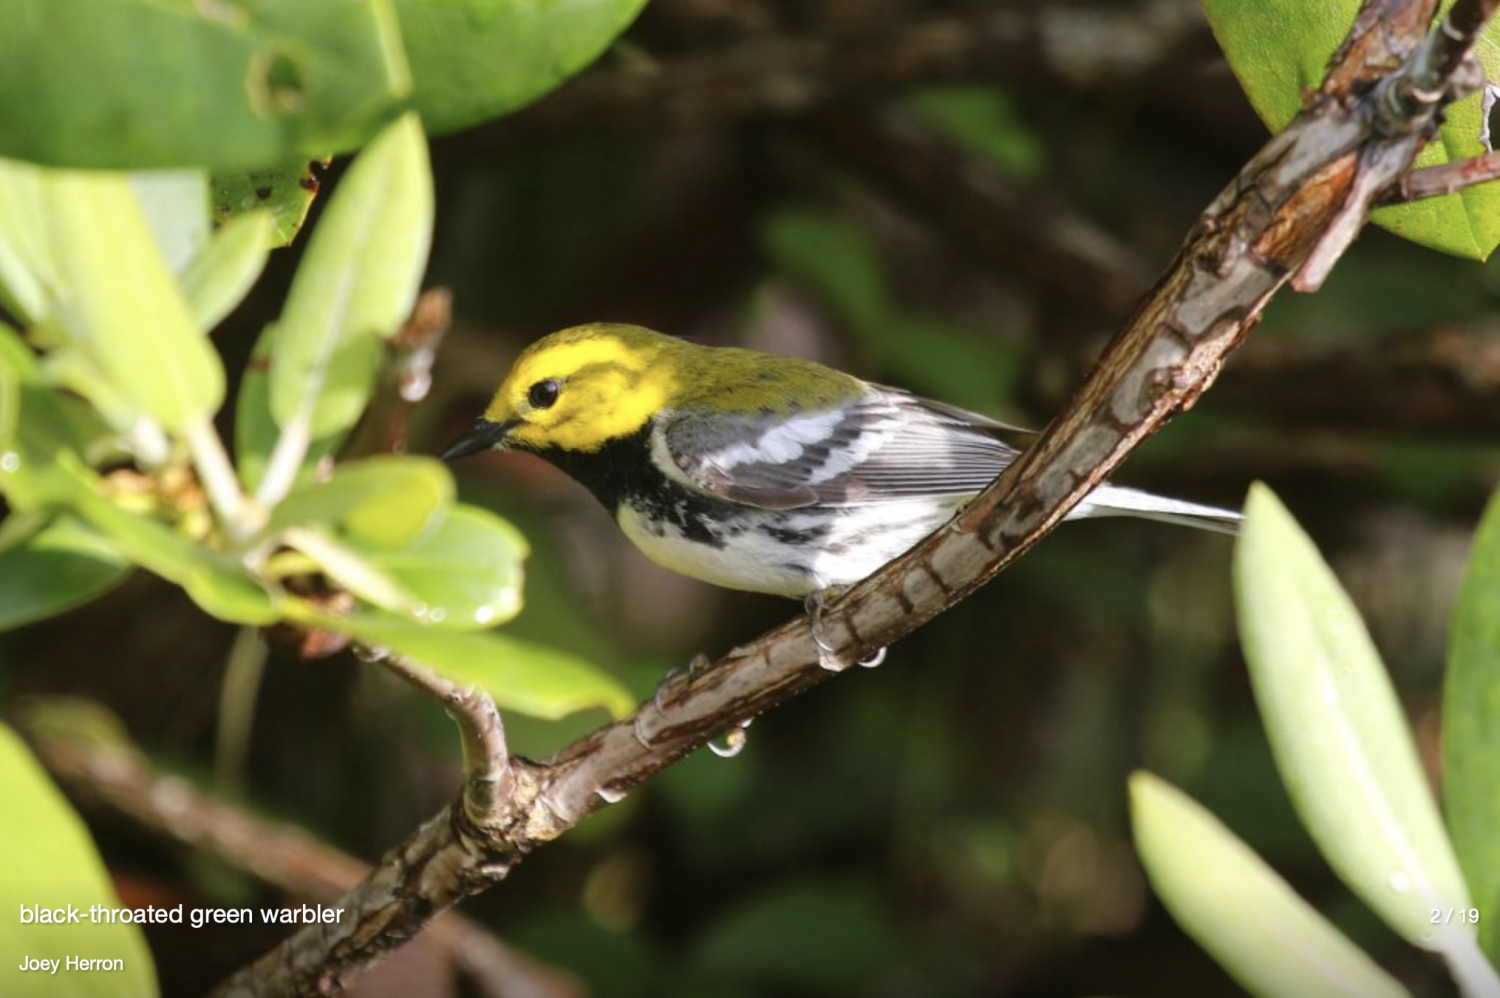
(1287, 217)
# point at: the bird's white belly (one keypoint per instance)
(789, 552)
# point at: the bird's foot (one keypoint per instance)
(699, 663)
(816, 604)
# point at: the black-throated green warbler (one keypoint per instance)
(756, 471)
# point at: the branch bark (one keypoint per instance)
(1300, 200)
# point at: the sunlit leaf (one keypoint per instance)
(63, 565)
(356, 285)
(57, 866)
(476, 59)
(118, 304)
(1279, 48)
(285, 192)
(1223, 895)
(385, 501)
(466, 572)
(350, 569)
(131, 84)
(1338, 732)
(219, 278)
(1471, 728)
(175, 205)
(220, 585)
(25, 267)
(520, 675)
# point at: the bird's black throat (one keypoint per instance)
(622, 471)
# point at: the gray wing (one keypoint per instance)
(886, 446)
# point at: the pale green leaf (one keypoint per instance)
(25, 267)
(119, 305)
(1471, 728)
(385, 500)
(54, 864)
(1235, 906)
(465, 573)
(520, 675)
(356, 285)
(1338, 732)
(175, 204)
(216, 582)
(218, 279)
(352, 570)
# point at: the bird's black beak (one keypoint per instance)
(483, 436)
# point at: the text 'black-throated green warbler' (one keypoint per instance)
(755, 471)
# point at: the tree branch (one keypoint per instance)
(83, 748)
(1319, 173)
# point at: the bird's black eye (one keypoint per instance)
(542, 394)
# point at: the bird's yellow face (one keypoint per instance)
(581, 388)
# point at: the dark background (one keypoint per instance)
(960, 199)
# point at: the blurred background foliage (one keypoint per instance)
(959, 198)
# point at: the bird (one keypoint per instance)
(756, 471)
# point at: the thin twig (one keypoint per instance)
(1447, 178)
(486, 758)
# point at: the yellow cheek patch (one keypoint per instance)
(609, 391)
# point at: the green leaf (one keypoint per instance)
(25, 270)
(1278, 48)
(220, 585)
(118, 304)
(59, 867)
(356, 285)
(476, 59)
(287, 192)
(351, 570)
(1235, 906)
(220, 277)
(226, 85)
(465, 574)
(42, 432)
(1471, 727)
(63, 565)
(1338, 732)
(175, 204)
(520, 675)
(385, 501)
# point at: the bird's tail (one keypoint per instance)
(1113, 500)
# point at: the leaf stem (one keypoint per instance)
(1475, 975)
(286, 459)
(216, 473)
